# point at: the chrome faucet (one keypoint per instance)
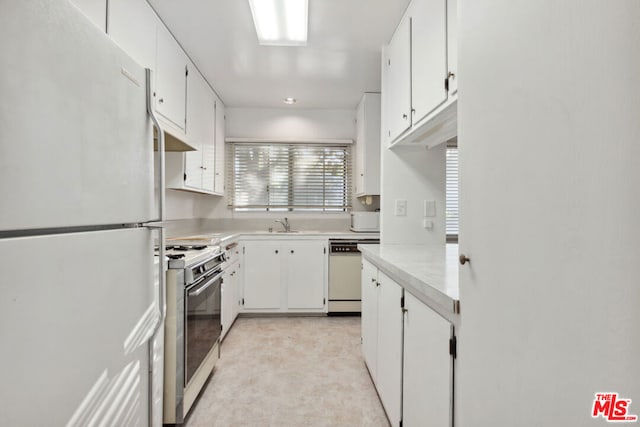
(285, 224)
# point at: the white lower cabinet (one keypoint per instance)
(370, 316)
(284, 276)
(305, 275)
(229, 303)
(231, 282)
(389, 358)
(262, 276)
(428, 366)
(406, 346)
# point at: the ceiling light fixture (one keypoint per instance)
(280, 22)
(290, 101)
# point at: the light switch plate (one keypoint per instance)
(401, 207)
(429, 208)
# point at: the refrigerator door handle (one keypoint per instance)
(162, 306)
(162, 279)
(161, 154)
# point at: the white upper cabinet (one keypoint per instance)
(419, 76)
(367, 171)
(398, 70)
(201, 131)
(134, 26)
(171, 79)
(95, 10)
(428, 56)
(194, 170)
(219, 147)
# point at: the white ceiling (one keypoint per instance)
(339, 63)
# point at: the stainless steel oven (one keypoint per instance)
(192, 326)
(202, 320)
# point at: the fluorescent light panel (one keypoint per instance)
(280, 22)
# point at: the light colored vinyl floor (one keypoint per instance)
(296, 371)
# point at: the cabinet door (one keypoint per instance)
(428, 55)
(237, 295)
(226, 306)
(360, 149)
(133, 25)
(427, 377)
(389, 370)
(370, 316)
(171, 78)
(398, 82)
(193, 168)
(195, 117)
(94, 10)
(305, 274)
(371, 182)
(262, 275)
(219, 147)
(199, 165)
(452, 45)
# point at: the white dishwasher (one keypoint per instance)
(344, 275)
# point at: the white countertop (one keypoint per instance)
(430, 273)
(229, 236)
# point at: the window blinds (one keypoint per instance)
(452, 210)
(281, 177)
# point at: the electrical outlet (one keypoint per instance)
(401, 207)
(429, 208)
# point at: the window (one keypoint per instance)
(289, 177)
(452, 210)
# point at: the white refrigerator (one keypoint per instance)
(80, 295)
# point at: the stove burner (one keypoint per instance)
(175, 256)
(184, 248)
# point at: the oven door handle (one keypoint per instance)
(201, 289)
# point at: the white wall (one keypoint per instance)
(415, 175)
(549, 142)
(184, 204)
(290, 123)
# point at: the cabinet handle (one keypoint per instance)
(373, 280)
(451, 75)
(291, 250)
(161, 100)
(276, 251)
(377, 283)
(404, 116)
(464, 259)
